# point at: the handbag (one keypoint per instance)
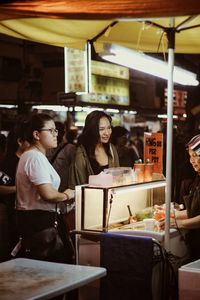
(44, 244)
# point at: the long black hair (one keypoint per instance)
(89, 137)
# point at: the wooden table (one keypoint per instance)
(33, 279)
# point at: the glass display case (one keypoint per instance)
(103, 209)
(107, 209)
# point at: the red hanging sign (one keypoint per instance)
(153, 150)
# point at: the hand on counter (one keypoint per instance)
(174, 223)
(70, 193)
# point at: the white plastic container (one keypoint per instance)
(149, 224)
(189, 281)
(121, 175)
(101, 179)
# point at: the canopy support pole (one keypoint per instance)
(169, 138)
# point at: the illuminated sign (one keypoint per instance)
(179, 101)
(75, 70)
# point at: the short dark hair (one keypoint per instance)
(2, 142)
(118, 131)
(17, 132)
(36, 122)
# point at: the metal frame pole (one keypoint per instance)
(169, 141)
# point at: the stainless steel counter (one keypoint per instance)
(33, 279)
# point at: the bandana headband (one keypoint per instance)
(194, 144)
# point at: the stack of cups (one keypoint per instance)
(148, 172)
(143, 172)
(139, 171)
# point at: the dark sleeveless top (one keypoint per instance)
(192, 203)
(96, 167)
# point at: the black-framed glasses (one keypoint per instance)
(53, 131)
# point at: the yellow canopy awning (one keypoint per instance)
(132, 34)
(71, 23)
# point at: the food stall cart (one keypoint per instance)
(107, 210)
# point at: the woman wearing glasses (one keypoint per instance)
(95, 152)
(37, 193)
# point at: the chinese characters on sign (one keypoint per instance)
(179, 101)
(76, 70)
(153, 150)
(110, 83)
(103, 83)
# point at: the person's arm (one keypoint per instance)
(48, 193)
(175, 221)
(187, 223)
(7, 189)
(182, 221)
(181, 215)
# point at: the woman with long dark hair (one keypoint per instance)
(95, 152)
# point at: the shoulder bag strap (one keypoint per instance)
(56, 217)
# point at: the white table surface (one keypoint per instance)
(22, 278)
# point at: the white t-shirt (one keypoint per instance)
(34, 169)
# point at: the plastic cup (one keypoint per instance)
(139, 172)
(149, 224)
(148, 172)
